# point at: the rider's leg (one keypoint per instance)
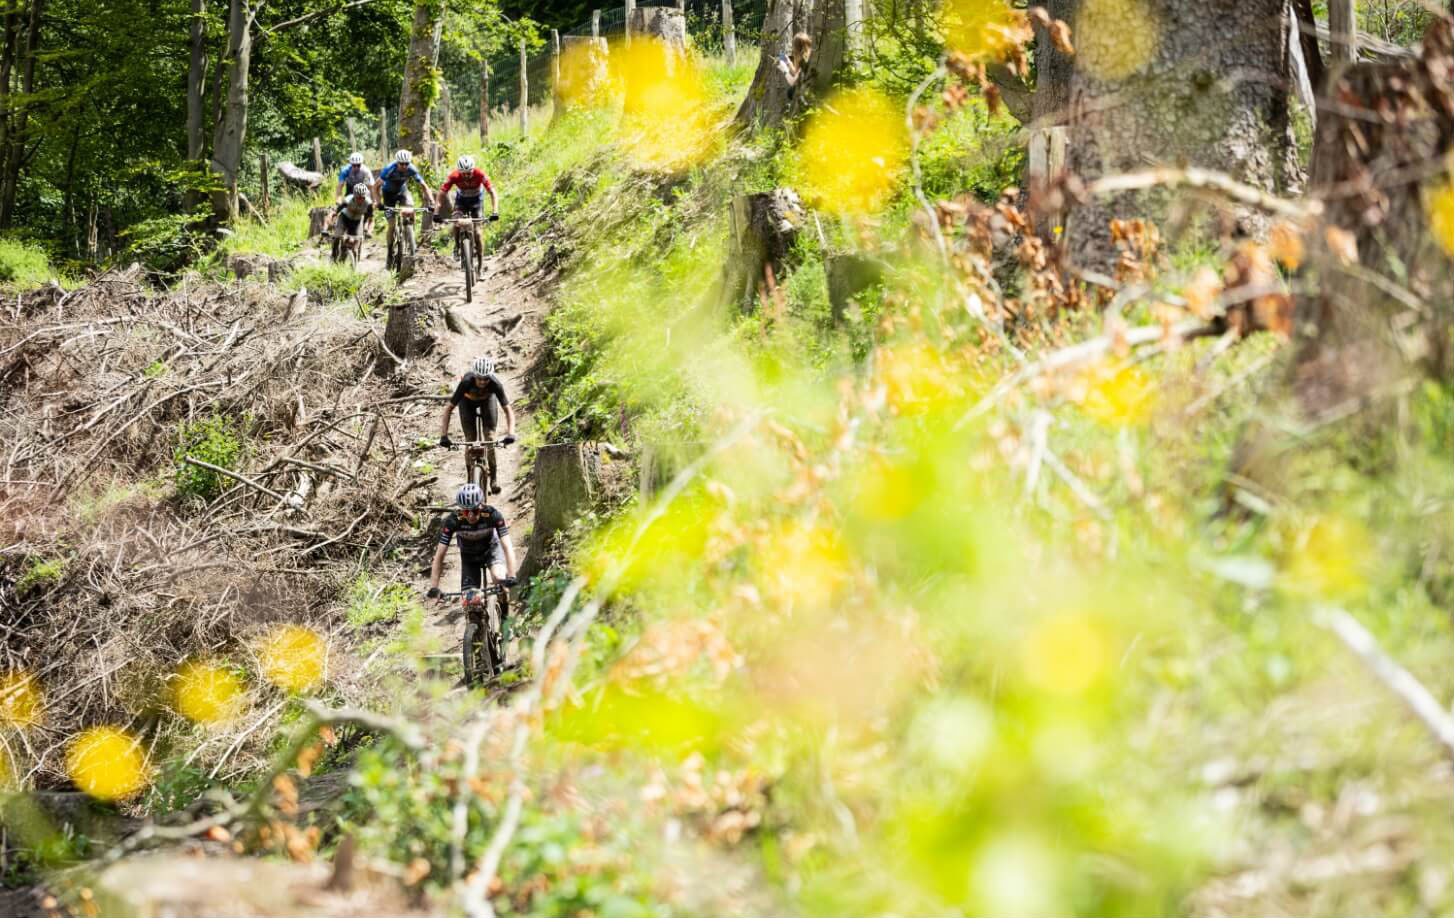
(490, 465)
(498, 573)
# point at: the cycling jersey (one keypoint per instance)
(477, 540)
(476, 393)
(355, 207)
(397, 175)
(352, 175)
(467, 184)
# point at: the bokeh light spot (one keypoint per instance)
(293, 657)
(666, 122)
(107, 763)
(206, 693)
(1065, 654)
(1329, 557)
(1439, 202)
(1118, 396)
(984, 29)
(1115, 38)
(21, 701)
(852, 152)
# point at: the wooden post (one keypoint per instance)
(383, 133)
(524, 94)
(352, 138)
(595, 23)
(446, 112)
(853, 28)
(682, 6)
(262, 169)
(1343, 30)
(485, 102)
(317, 157)
(630, 8)
(729, 35)
(554, 60)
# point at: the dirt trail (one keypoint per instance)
(506, 321)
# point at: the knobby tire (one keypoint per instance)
(469, 268)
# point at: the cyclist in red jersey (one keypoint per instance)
(468, 183)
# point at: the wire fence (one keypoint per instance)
(704, 28)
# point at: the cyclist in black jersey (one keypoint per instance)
(484, 543)
(475, 397)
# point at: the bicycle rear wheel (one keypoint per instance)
(472, 650)
(469, 268)
(353, 249)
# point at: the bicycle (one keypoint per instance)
(401, 242)
(346, 246)
(468, 250)
(486, 634)
(476, 467)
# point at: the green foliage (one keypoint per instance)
(972, 151)
(371, 601)
(24, 266)
(327, 281)
(41, 573)
(218, 440)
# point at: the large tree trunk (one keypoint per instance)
(1050, 106)
(196, 99)
(227, 142)
(567, 477)
(421, 76)
(1204, 83)
(15, 150)
(7, 65)
(770, 99)
(1371, 157)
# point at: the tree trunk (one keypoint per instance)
(228, 140)
(566, 477)
(15, 153)
(7, 65)
(770, 99)
(421, 75)
(485, 102)
(1205, 83)
(1050, 106)
(196, 75)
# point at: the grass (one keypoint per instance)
(284, 233)
(371, 601)
(41, 573)
(24, 266)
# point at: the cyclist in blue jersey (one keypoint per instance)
(393, 181)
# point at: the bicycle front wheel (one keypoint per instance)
(469, 270)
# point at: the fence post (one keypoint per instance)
(682, 6)
(729, 35)
(595, 24)
(630, 8)
(554, 60)
(1343, 30)
(524, 95)
(317, 157)
(853, 20)
(262, 170)
(445, 113)
(383, 132)
(485, 102)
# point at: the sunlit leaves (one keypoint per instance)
(984, 30)
(293, 658)
(852, 153)
(107, 763)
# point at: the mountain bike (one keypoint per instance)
(468, 250)
(346, 246)
(401, 243)
(486, 632)
(478, 456)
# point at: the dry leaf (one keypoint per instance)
(1285, 245)
(1343, 244)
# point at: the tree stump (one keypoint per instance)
(664, 24)
(317, 218)
(408, 333)
(584, 75)
(764, 226)
(567, 477)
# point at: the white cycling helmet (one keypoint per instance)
(466, 162)
(404, 156)
(360, 188)
(355, 159)
(483, 366)
(470, 497)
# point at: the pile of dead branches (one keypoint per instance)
(110, 575)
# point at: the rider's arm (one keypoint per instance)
(509, 420)
(494, 199)
(436, 570)
(444, 420)
(509, 550)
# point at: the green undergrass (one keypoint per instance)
(24, 266)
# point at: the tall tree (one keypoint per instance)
(227, 142)
(771, 98)
(1176, 83)
(16, 154)
(196, 75)
(421, 75)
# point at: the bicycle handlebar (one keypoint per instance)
(494, 589)
(480, 444)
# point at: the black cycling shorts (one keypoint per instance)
(350, 225)
(399, 198)
(470, 413)
(472, 573)
(468, 207)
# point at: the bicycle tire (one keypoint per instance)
(353, 250)
(469, 270)
(494, 651)
(392, 249)
(479, 255)
(469, 650)
(409, 247)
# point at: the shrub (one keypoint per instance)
(371, 600)
(23, 266)
(215, 440)
(40, 574)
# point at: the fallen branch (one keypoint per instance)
(241, 479)
(1208, 180)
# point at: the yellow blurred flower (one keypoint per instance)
(915, 378)
(667, 116)
(984, 29)
(1439, 202)
(852, 152)
(584, 74)
(802, 565)
(1329, 557)
(107, 763)
(885, 490)
(206, 692)
(293, 657)
(1117, 395)
(1065, 654)
(21, 702)
(1115, 38)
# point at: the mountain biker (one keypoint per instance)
(352, 210)
(393, 181)
(353, 174)
(468, 182)
(475, 396)
(480, 529)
